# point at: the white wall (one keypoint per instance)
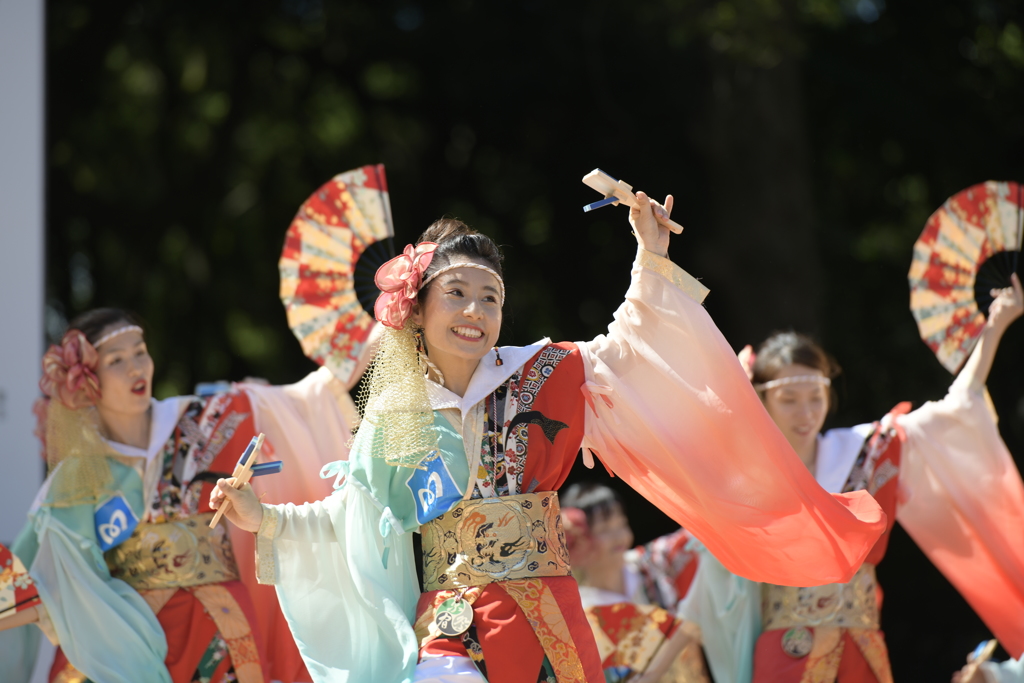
(21, 254)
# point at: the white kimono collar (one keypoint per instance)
(487, 377)
(166, 414)
(837, 451)
(165, 419)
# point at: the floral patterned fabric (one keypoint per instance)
(531, 426)
(17, 590)
(629, 629)
(660, 399)
(208, 628)
(666, 568)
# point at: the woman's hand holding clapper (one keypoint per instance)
(234, 497)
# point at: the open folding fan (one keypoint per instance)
(970, 246)
(336, 242)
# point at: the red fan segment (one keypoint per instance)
(339, 237)
(969, 246)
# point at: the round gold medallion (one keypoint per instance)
(453, 616)
(797, 642)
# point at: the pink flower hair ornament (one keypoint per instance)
(69, 372)
(399, 282)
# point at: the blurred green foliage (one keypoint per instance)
(806, 142)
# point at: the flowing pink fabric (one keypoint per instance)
(671, 412)
(962, 501)
(307, 425)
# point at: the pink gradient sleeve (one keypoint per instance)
(671, 412)
(962, 501)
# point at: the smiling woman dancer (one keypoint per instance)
(467, 443)
(942, 471)
(167, 602)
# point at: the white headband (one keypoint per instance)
(798, 379)
(469, 264)
(119, 331)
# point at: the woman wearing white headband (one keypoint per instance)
(135, 587)
(941, 470)
(467, 444)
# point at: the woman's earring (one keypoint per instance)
(497, 357)
(424, 360)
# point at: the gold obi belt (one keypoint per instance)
(481, 541)
(185, 552)
(847, 605)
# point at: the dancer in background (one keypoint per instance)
(941, 470)
(630, 595)
(135, 587)
(467, 443)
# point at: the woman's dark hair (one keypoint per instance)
(596, 500)
(455, 238)
(792, 348)
(92, 323)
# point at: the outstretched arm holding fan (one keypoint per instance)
(962, 498)
(1007, 305)
(941, 470)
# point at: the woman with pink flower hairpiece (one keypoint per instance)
(133, 584)
(467, 443)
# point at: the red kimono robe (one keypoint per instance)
(667, 407)
(226, 630)
(944, 473)
(631, 628)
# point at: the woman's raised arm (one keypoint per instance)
(1007, 306)
(670, 411)
(962, 498)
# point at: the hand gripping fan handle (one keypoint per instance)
(241, 474)
(621, 191)
(671, 225)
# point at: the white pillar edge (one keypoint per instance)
(22, 254)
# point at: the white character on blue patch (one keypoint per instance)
(115, 522)
(433, 490)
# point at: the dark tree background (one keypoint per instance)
(806, 142)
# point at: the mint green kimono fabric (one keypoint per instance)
(344, 567)
(727, 608)
(104, 626)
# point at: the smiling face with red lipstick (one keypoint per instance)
(457, 310)
(125, 372)
(460, 313)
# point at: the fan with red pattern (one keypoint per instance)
(341, 234)
(969, 246)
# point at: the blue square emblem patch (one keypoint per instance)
(115, 522)
(433, 490)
